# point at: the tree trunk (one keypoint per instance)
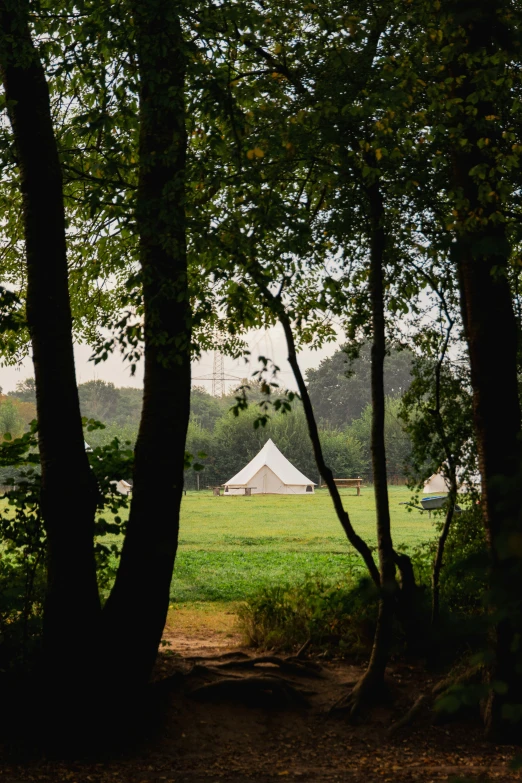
(372, 682)
(481, 253)
(490, 323)
(135, 613)
(452, 470)
(439, 556)
(68, 495)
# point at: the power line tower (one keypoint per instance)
(218, 375)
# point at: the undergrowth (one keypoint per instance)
(335, 616)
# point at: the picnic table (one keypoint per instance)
(348, 482)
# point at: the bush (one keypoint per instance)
(22, 572)
(463, 579)
(339, 618)
(336, 617)
(22, 587)
(23, 540)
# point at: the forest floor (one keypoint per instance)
(230, 731)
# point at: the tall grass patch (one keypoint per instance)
(332, 616)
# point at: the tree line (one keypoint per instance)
(340, 390)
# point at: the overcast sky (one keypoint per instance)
(270, 343)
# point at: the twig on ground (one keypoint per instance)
(301, 651)
(408, 716)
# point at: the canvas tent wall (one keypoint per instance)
(269, 473)
(437, 484)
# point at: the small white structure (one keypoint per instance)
(269, 473)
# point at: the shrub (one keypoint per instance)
(23, 542)
(22, 571)
(340, 617)
(335, 617)
(464, 580)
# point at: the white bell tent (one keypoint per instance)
(269, 473)
(438, 484)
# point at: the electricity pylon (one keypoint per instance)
(218, 375)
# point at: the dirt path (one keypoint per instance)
(204, 629)
(235, 740)
(235, 737)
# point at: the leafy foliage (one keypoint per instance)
(335, 617)
(23, 540)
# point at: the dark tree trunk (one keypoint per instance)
(490, 323)
(68, 498)
(482, 259)
(136, 610)
(372, 682)
(406, 607)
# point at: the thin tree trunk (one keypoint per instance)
(439, 556)
(343, 516)
(136, 610)
(450, 459)
(278, 309)
(372, 682)
(68, 497)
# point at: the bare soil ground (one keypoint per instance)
(204, 629)
(219, 725)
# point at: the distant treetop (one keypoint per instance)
(340, 388)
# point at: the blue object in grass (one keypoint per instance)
(432, 503)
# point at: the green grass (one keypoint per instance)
(232, 546)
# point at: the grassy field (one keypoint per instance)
(230, 546)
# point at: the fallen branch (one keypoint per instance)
(301, 651)
(309, 664)
(407, 717)
(201, 670)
